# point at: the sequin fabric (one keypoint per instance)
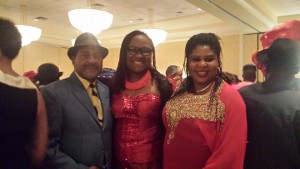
(138, 127)
(189, 105)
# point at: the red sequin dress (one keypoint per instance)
(139, 131)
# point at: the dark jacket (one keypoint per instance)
(273, 114)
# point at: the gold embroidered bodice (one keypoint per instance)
(189, 105)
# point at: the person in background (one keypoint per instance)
(139, 94)
(205, 119)
(273, 109)
(230, 78)
(23, 120)
(174, 75)
(80, 122)
(31, 75)
(106, 75)
(47, 73)
(249, 76)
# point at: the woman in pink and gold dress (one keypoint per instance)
(139, 95)
(205, 118)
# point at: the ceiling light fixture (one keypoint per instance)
(90, 20)
(29, 33)
(157, 35)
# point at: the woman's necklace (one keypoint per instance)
(201, 90)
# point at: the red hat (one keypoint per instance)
(30, 74)
(289, 29)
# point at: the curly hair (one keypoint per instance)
(118, 82)
(203, 39)
(230, 78)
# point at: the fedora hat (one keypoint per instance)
(86, 39)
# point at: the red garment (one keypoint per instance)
(242, 84)
(139, 131)
(173, 82)
(197, 138)
(289, 29)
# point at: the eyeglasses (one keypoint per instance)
(144, 51)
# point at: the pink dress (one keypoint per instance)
(201, 138)
(242, 84)
(139, 131)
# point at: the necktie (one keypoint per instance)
(96, 102)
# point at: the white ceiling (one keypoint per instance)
(180, 18)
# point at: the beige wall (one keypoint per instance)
(35, 54)
(166, 54)
(250, 45)
(237, 51)
(173, 54)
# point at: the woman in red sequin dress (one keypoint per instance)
(139, 94)
(205, 119)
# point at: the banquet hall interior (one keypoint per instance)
(239, 23)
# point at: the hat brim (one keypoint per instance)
(263, 56)
(73, 50)
(39, 76)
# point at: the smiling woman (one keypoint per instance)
(139, 94)
(200, 118)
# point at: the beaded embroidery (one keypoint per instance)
(193, 106)
(131, 132)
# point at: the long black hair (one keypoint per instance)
(118, 81)
(207, 39)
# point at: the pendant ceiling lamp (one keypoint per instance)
(29, 33)
(157, 35)
(90, 20)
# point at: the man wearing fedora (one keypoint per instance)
(80, 122)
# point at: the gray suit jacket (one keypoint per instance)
(76, 138)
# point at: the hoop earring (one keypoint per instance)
(218, 71)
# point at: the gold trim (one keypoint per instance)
(189, 105)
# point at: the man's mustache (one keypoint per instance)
(96, 66)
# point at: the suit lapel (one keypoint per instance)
(83, 97)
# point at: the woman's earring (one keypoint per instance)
(218, 71)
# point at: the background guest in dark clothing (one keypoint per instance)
(47, 73)
(23, 122)
(273, 110)
(106, 75)
(249, 73)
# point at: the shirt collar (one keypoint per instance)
(85, 82)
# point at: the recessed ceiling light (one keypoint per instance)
(130, 21)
